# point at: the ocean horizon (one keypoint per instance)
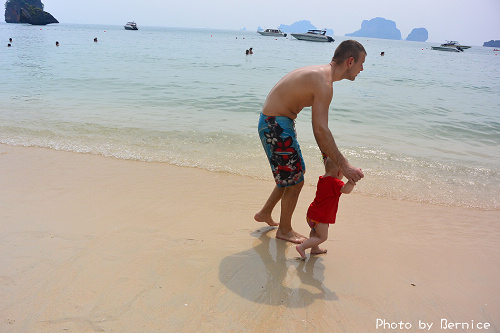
(422, 124)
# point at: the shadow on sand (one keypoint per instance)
(263, 274)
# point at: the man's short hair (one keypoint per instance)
(346, 49)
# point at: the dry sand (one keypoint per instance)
(95, 244)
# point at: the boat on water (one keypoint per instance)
(314, 35)
(451, 46)
(272, 33)
(130, 26)
(454, 43)
(447, 48)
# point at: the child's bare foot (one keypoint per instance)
(300, 251)
(259, 217)
(318, 251)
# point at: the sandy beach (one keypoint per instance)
(96, 244)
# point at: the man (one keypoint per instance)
(310, 86)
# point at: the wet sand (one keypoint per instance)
(95, 244)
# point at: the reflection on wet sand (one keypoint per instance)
(264, 274)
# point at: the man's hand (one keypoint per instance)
(352, 174)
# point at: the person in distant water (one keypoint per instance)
(10, 40)
(382, 53)
(250, 50)
(307, 86)
(323, 210)
(57, 43)
(95, 40)
(247, 52)
(8, 45)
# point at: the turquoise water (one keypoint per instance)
(423, 125)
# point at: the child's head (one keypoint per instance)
(331, 168)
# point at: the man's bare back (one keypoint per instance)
(298, 90)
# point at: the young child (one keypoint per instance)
(323, 209)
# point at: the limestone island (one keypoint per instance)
(492, 43)
(418, 35)
(380, 27)
(27, 11)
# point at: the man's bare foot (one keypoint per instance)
(259, 217)
(292, 237)
(318, 251)
(300, 251)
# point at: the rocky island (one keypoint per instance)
(492, 43)
(27, 11)
(380, 27)
(418, 35)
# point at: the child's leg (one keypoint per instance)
(316, 249)
(317, 237)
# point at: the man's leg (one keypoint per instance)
(265, 214)
(288, 203)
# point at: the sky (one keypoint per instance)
(471, 22)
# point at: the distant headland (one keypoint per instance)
(492, 43)
(418, 35)
(379, 27)
(27, 11)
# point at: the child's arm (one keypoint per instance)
(348, 187)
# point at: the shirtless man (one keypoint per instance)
(310, 86)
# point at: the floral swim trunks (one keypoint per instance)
(279, 140)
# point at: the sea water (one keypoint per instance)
(422, 124)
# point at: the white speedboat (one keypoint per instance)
(130, 26)
(454, 43)
(447, 48)
(451, 46)
(314, 35)
(272, 33)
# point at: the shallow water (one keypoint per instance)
(422, 124)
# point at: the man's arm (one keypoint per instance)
(325, 139)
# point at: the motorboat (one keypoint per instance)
(454, 43)
(451, 46)
(314, 35)
(447, 48)
(131, 26)
(272, 33)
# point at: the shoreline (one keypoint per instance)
(92, 243)
(373, 186)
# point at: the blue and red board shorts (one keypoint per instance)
(279, 140)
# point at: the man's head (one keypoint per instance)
(346, 49)
(352, 54)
